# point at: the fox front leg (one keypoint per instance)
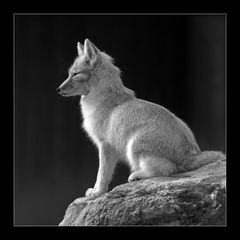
(107, 163)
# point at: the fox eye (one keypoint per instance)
(76, 73)
(80, 76)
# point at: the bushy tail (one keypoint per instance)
(204, 158)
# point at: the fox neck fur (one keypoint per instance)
(101, 100)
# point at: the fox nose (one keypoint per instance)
(58, 89)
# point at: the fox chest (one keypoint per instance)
(93, 129)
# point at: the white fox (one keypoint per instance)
(151, 139)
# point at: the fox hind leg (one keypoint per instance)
(152, 167)
(147, 155)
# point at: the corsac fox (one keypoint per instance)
(151, 139)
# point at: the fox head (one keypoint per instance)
(85, 72)
(80, 73)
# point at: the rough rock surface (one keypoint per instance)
(191, 198)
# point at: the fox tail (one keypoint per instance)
(204, 158)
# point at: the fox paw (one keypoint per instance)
(135, 176)
(93, 193)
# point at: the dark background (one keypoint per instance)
(177, 61)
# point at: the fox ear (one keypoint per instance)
(80, 48)
(91, 51)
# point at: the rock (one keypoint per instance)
(191, 198)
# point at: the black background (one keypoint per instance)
(177, 61)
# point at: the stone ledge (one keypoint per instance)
(191, 198)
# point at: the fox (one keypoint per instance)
(151, 139)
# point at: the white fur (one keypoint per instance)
(129, 155)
